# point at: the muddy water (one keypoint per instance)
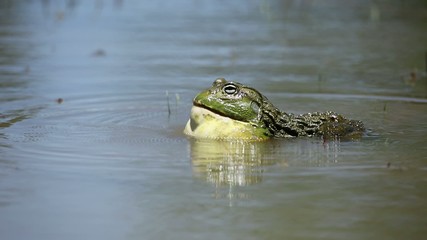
(94, 96)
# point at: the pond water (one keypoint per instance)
(94, 96)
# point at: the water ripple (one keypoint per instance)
(97, 131)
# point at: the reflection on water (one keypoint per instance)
(237, 163)
(230, 163)
(113, 153)
(7, 119)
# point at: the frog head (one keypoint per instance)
(227, 110)
(232, 100)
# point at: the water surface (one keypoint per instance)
(94, 96)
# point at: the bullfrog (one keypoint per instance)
(231, 110)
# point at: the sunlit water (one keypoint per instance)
(94, 96)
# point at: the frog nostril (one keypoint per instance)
(219, 81)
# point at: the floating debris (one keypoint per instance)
(59, 16)
(99, 53)
(27, 69)
(412, 77)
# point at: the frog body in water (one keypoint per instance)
(230, 110)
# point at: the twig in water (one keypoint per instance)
(177, 100)
(167, 99)
(319, 82)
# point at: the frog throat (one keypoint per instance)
(207, 124)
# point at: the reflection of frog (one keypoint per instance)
(233, 163)
(230, 110)
(229, 163)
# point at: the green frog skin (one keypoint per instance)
(230, 110)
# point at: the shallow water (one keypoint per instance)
(94, 96)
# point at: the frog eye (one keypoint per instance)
(230, 88)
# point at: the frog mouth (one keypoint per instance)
(197, 104)
(222, 114)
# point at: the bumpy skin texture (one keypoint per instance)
(243, 103)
